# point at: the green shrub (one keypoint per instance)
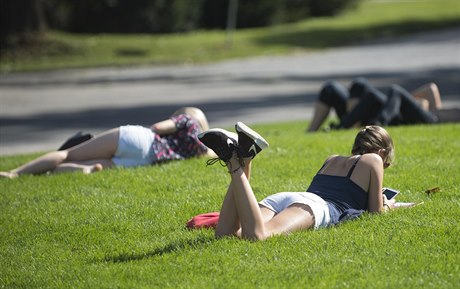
(161, 16)
(329, 7)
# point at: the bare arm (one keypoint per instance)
(375, 165)
(164, 127)
(431, 93)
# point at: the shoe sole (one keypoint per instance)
(257, 138)
(210, 136)
(229, 134)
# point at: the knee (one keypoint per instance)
(329, 93)
(220, 235)
(395, 87)
(255, 236)
(57, 157)
(358, 87)
(399, 92)
(376, 97)
(251, 236)
(433, 87)
(360, 80)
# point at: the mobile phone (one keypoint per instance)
(390, 193)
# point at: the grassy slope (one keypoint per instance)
(125, 228)
(371, 20)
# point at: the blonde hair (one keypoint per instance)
(373, 138)
(197, 114)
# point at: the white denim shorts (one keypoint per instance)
(280, 201)
(134, 147)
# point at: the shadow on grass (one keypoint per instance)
(173, 247)
(334, 37)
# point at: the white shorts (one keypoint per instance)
(134, 147)
(280, 201)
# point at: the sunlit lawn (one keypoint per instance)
(125, 228)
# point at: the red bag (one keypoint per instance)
(206, 220)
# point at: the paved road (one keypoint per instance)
(40, 110)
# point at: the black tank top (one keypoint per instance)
(341, 191)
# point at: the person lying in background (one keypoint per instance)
(363, 104)
(175, 138)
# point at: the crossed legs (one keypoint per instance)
(242, 216)
(88, 157)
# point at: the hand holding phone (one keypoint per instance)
(390, 193)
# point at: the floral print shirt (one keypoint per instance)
(182, 144)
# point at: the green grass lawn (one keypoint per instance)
(125, 228)
(370, 20)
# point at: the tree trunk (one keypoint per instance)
(21, 18)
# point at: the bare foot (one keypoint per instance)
(92, 169)
(8, 175)
(73, 167)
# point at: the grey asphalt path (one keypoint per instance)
(40, 110)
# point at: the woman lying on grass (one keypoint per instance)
(127, 146)
(343, 187)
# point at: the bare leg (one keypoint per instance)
(241, 208)
(247, 207)
(351, 103)
(230, 224)
(42, 164)
(332, 94)
(87, 167)
(102, 146)
(296, 217)
(430, 92)
(321, 111)
(8, 175)
(73, 167)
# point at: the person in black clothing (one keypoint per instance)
(363, 104)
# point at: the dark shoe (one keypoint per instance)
(220, 141)
(250, 142)
(74, 140)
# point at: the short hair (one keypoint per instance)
(373, 138)
(197, 114)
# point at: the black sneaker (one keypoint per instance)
(250, 142)
(222, 142)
